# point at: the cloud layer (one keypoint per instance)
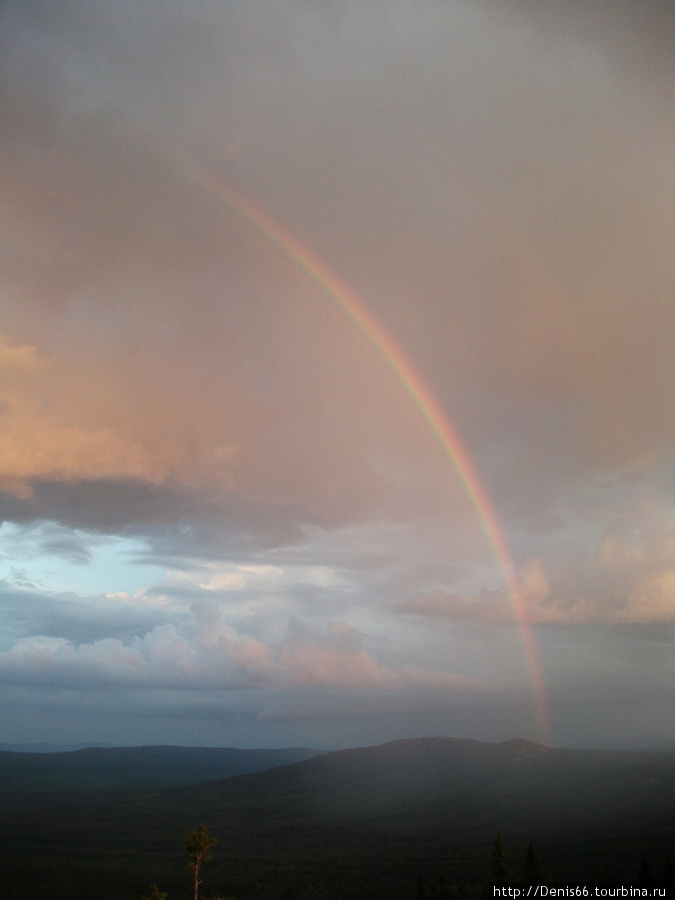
(210, 482)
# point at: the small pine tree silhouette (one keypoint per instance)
(197, 846)
(155, 894)
(498, 866)
(645, 879)
(531, 873)
(421, 894)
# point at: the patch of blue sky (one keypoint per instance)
(54, 559)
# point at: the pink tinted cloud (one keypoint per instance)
(222, 658)
(620, 587)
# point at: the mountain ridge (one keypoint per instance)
(127, 768)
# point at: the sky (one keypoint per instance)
(337, 381)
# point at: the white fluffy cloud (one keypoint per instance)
(213, 655)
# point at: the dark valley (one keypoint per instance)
(407, 819)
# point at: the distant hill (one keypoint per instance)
(364, 823)
(467, 784)
(47, 748)
(124, 768)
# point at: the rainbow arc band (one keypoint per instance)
(412, 384)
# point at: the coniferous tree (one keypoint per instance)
(498, 866)
(421, 894)
(645, 879)
(155, 894)
(531, 873)
(197, 846)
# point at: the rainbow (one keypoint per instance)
(412, 384)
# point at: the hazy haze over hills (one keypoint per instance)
(385, 813)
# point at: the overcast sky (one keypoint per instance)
(224, 521)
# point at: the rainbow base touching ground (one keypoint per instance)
(414, 386)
